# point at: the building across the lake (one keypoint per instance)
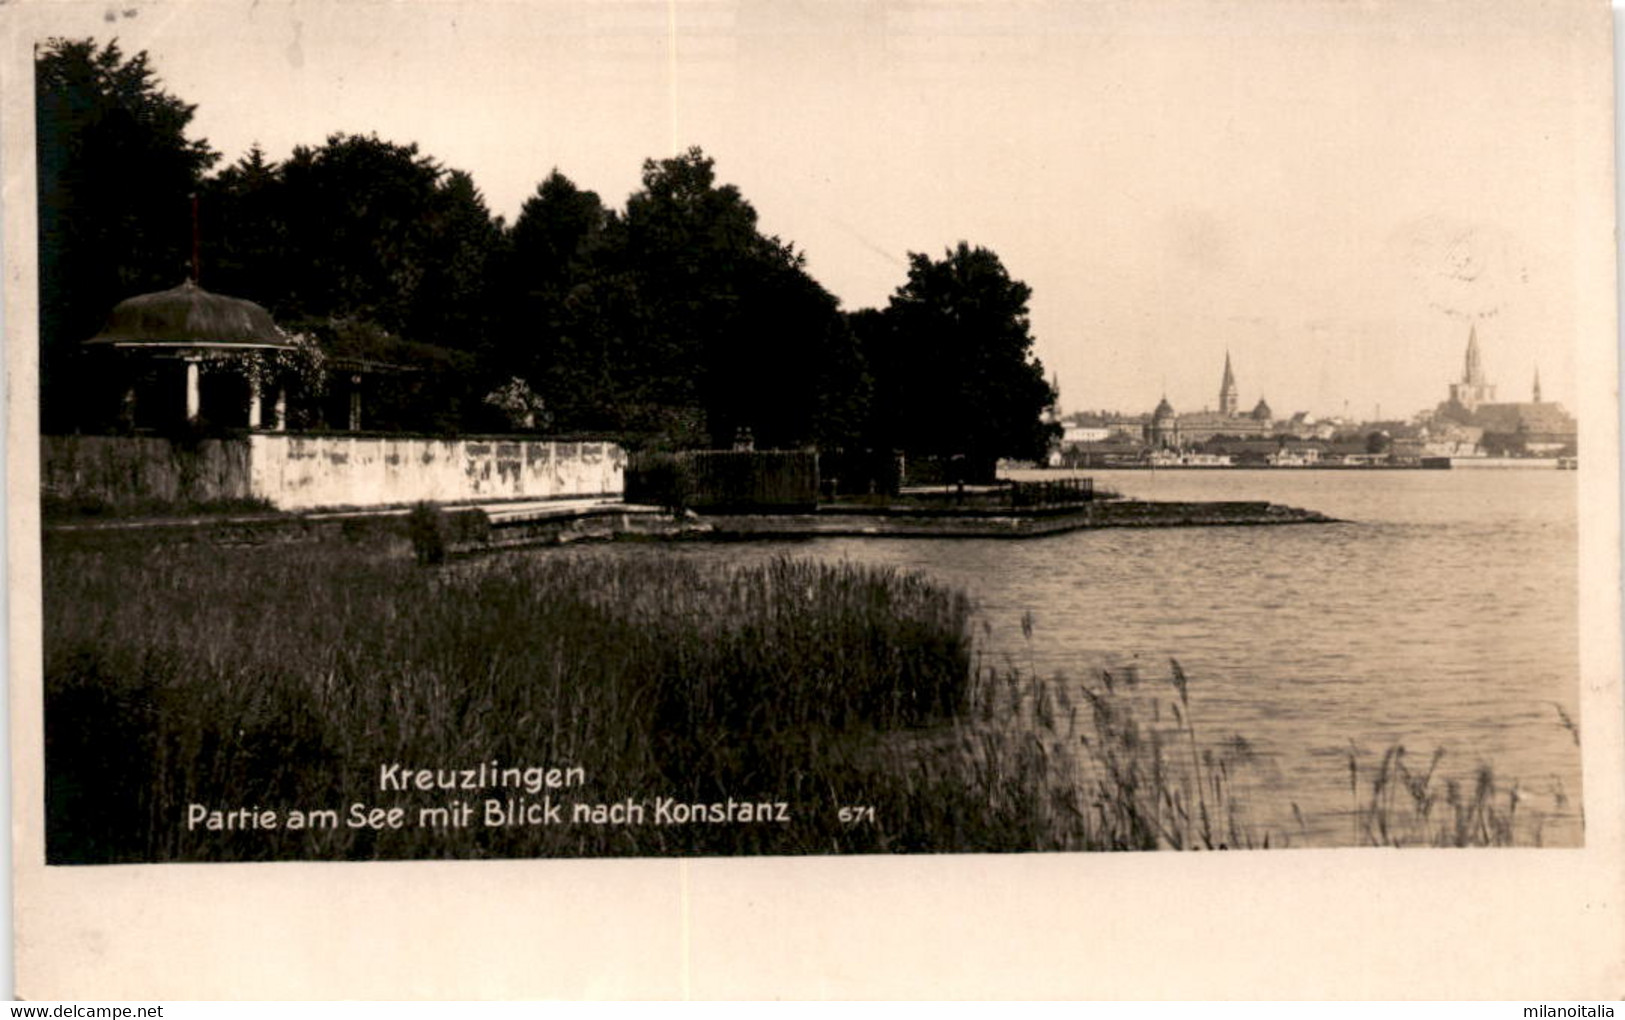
(1103, 439)
(1172, 431)
(1470, 423)
(1534, 427)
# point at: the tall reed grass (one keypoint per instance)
(284, 677)
(1399, 805)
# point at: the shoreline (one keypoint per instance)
(469, 530)
(888, 522)
(1427, 464)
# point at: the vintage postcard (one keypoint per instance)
(734, 498)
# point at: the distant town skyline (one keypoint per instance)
(1213, 400)
(1332, 194)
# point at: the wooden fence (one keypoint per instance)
(725, 480)
(1058, 492)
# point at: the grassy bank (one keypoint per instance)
(87, 509)
(187, 680)
(284, 677)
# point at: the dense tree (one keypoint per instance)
(882, 415)
(357, 228)
(362, 238)
(244, 231)
(116, 172)
(731, 325)
(788, 370)
(561, 306)
(955, 357)
(452, 305)
(559, 229)
(357, 212)
(687, 242)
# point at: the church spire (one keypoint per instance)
(1537, 384)
(1228, 397)
(1474, 375)
(1473, 390)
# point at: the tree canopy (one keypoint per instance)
(116, 172)
(673, 321)
(954, 348)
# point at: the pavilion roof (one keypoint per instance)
(189, 316)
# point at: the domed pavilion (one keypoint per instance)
(189, 331)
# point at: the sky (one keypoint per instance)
(1331, 191)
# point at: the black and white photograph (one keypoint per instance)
(919, 448)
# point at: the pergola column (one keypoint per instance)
(194, 393)
(255, 410)
(355, 403)
(280, 409)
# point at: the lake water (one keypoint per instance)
(1442, 614)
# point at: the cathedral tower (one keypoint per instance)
(1472, 390)
(1228, 399)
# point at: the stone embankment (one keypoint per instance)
(954, 523)
(497, 526)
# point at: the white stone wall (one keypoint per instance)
(297, 472)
